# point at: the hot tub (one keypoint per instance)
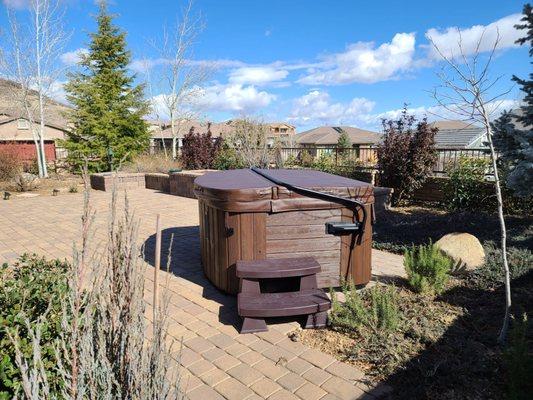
(245, 216)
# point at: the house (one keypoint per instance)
(328, 136)
(162, 132)
(324, 140)
(16, 130)
(458, 135)
(283, 132)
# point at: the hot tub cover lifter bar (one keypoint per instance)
(332, 228)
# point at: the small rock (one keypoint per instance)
(464, 249)
(294, 336)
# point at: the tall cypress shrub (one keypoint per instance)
(107, 120)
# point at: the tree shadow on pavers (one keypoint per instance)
(180, 254)
(466, 362)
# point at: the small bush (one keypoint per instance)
(305, 159)
(228, 158)
(375, 309)
(491, 275)
(427, 268)
(466, 189)
(519, 361)
(31, 288)
(199, 149)
(151, 163)
(26, 182)
(325, 163)
(10, 165)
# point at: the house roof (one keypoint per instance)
(217, 128)
(456, 134)
(329, 135)
(10, 107)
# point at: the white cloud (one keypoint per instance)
(73, 57)
(143, 65)
(57, 92)
(448, 39)
(257, 75)
(435, 113)
(363, 62)
(316, 107)
(234, 97)
(17, 4)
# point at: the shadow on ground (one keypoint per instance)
(466, 362)
(180, 254)
(414, 225)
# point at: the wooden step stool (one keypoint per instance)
(254, 306)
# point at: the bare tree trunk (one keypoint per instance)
(41, 156)
(503, 230)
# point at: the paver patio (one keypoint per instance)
(217, 361)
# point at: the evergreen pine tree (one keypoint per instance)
(513, 132)
(107, 120)
(343, 142)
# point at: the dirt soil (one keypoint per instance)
(445, 348)
(403, 226)
(65, 184)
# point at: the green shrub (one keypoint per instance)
(227, 158)
(306, 160)
(325, 163)
(375, 309)
(491, 275)
(30, 289)
(466, 188)
(519, 361)
(427, 268)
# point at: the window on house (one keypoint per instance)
(23, 124)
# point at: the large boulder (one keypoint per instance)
(465, 249)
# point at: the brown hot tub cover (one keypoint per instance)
(243, 190)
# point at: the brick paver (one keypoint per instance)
(216, 361)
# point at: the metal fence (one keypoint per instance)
(367, 155)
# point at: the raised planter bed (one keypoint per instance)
(157, 181)
(104, 181)
(182, 183)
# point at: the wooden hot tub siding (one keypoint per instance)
(227, 237)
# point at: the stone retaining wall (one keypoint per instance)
(182, 183)
(104, 181)
(158, 181)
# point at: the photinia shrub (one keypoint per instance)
(199, 149)
(407, 155)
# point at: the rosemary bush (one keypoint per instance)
(375, 309)
(427, 268)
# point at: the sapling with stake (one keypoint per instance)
(466, 92)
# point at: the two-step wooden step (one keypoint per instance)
(254, 305)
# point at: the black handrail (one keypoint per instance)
(349, 203)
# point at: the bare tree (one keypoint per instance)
(32, 61)
(178, 78)
(466, 92)
(249, 138)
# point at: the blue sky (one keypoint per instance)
(314, 62)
